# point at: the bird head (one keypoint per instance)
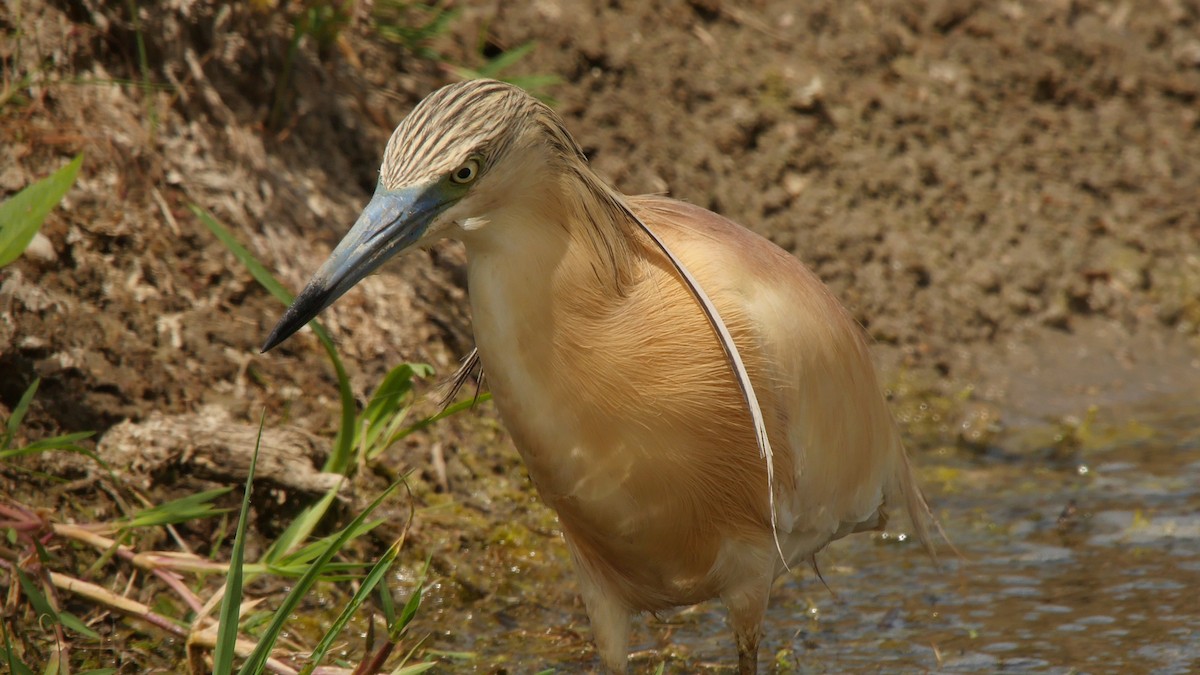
(437, 175)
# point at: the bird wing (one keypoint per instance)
(827, 415)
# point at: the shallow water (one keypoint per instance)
(1089, 563)
(1078, 560)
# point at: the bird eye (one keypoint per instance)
(466, 173)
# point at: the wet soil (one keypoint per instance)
(1002, 193)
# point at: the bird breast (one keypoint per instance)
(625, 410)
(626, 414)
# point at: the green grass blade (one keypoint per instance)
(448, 411)
(258, 658)
(334, 572)
(404, 667)
(392, 391)
(180, 510)
(340, 459)
(23, 214)
(18, 413)
(65, 442)
(300, 528)
(15, 665)
(388, 407)
(35, 597)
(386, 605)
(394, 21)
(260, 273)
(61, 442)
(315, 549)
(34, 449)
(76, 624)
(506, 59)
(231, 603)
(368, 585)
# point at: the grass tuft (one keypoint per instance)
(231, 601)
(22, 215)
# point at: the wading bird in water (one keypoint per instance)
(688, 397)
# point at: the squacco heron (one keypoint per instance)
(688, 397)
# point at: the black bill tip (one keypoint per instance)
(303, 309)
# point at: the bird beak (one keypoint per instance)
(393, 221)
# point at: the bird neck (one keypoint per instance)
(565, 216)
(603, 227)
(561, 246)
(563, 239)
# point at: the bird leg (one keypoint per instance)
(747, 649)
(610, 621)
(747, 609)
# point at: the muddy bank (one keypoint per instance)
(962, 175)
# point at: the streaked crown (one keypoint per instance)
(481, 118)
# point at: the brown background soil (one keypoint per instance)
(960, 173)
(979, 182)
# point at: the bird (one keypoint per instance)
(691, 400)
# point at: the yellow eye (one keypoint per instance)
(467, 172)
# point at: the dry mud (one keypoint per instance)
(962, 174)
